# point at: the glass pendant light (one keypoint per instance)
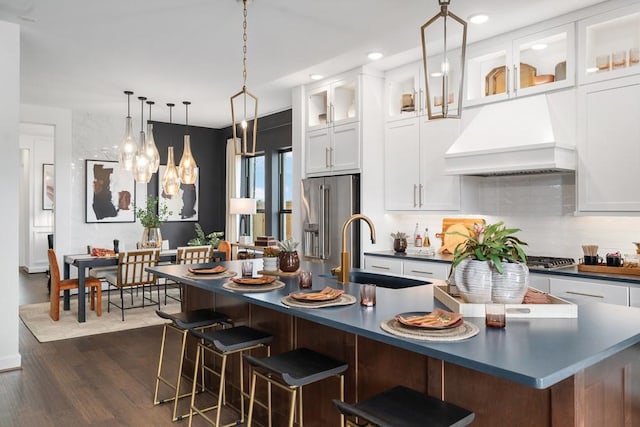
(141, 165)
(128, 147)
(247, 102)
(170, 178)
(187, 170)
(150, 146)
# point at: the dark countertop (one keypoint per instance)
(567, 272)
(535, 352)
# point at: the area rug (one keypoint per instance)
(36, 319)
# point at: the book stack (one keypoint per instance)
(266, 241)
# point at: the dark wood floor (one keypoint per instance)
(100, 380)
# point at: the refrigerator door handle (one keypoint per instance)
(322, 230)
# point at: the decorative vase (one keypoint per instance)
(289, 261)
(400, 245)
(270, 264)
(510, 286)
(473, 280)
(151, 238)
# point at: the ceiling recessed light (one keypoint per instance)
(436, 74)
(375, 55)
(316, 76)
(478, 18)
(539, 46)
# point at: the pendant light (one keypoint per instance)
(150, 147)
(128, 147)
(448, 75)
(170, 178)
(141, 165)
(187, 170)
(244, 105)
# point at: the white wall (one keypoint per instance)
(9, 164)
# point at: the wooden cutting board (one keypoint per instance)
(462, 225)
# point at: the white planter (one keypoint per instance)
(270, 264)
(473, 280)
(510, 286)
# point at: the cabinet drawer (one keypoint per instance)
(634, 297)
(383, 265)
(424, 269)
(582, 292)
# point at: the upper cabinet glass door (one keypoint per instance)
(333, 103)
(488, 76)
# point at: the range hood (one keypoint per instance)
(522, 136)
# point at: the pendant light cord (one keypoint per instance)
(186, 114)
(244, 44)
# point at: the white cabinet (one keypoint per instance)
(608, 148)
(333, 102)
(383, 264)
(404, 92)
(505, 67)
(414, 165)
(333, 149)
(425, 269)
(634, 297)
(584, 291)
(609, 45)
(539, 282)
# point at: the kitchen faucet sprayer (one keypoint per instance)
(345, 258)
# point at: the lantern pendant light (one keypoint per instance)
(141, 166)
(187, 170)
(170, 178)
(247, 103)
(150, 146)
(128, 147)
(448, 75)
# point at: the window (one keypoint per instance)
(285, 188)
(256, 189)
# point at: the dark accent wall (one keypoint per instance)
(208, 146)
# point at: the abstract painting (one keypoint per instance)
(110, 194)
(184, 205)
(48, 187)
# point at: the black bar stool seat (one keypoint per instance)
(405, 407)
(195, 318)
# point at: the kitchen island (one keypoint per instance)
(535, 372)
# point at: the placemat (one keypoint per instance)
(462, 332)
(279, 273)
(344, 299)
(224, 275)
(253, 288)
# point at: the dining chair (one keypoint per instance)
(131, 274)
(225, 247)
(58, 285)
(188, 255)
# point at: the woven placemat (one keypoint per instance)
(279, 273)
(253, 288)
(462, 332)
(344, 299)
(224, 275)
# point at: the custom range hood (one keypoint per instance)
(523, 136)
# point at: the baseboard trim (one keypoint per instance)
(11, 362)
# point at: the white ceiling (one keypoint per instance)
(82, 54)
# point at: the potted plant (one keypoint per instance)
(213, 239)
(399, 242)
(289, 261)
(150, 218)
(490, 265)
(270, 257)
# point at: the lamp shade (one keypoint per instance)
(242, 206)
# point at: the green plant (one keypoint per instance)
(148, 216)
(493, 242)
(399, 235)
(270, 252)
(288, 245)
(201, 239)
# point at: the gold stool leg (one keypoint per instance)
(251, 399)
(269, 389)
(342, 398)
(195, 383)
(179, 379)
(155, 394)
(221, 389)
(292, 407)
(241, 387)
(301, 418)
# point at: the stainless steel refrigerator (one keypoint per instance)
(327, 202)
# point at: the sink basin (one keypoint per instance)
(384, 281)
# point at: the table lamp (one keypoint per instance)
(243, 207)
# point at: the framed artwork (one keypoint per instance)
(183, 206)
(48, 186)
(110, 192)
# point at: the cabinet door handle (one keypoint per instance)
(420, 195)
(516, 79)
(332, 113)
(422, 107)
(326, 157)
(415, 187)
(430, 273)
(508, 80)
(331, 157)
(380, 267)
(584, 295)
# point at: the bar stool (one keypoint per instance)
(181, 323)
(291, 371)
(405, 407)
(224, 343)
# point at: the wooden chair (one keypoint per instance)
(225, 247)
(58, 285)
(131, 273)
(188, 255)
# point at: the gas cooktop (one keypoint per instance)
(549, 263)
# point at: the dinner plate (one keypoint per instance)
(327, 294)
(208, 270)
(437, 319)
(262, 280)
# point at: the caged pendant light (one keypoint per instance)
(441, 36)
(244, 105)
(188, 169)
(170, 178)
(150, 147)
(128, 147)
(141, 171)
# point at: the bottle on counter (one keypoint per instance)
(426, 243)
(416, 232)
(418, 241)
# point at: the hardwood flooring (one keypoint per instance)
(100, 380)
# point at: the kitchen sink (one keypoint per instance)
(383, 280)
